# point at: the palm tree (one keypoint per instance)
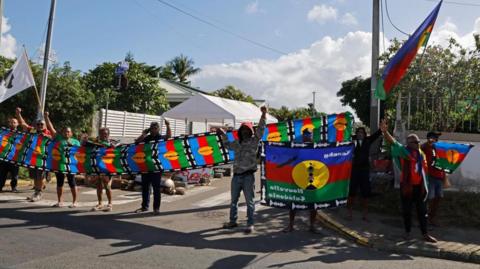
(182, 67)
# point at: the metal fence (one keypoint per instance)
(127, 125)
(424, 112)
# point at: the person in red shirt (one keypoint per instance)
(38, 175)
(436, 177)
(413, 182)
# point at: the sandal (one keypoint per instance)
(109, 208)
(73, 205)
(59, 204)
(97, 207)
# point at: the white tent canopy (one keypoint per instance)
(203, 108)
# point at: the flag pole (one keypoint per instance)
(31, 73)
(43, 89)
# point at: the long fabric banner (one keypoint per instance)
(180, 153)
(306, 176)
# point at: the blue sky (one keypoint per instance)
(90, 32)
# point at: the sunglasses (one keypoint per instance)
(414, 142)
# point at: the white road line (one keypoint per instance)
(219, 199)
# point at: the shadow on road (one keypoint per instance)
(137, 236)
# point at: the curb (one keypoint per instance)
(441, 250)
(349, 233)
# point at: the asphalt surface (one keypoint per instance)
(187, 234)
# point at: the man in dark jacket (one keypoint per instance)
(360, 178)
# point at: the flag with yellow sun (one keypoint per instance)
(306, 177)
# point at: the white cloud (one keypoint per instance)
(8, 46)
(252, 8)
(349, 19)
(449, 29)
(322, 13)
(291, 79)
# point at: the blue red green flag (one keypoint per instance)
(449, 156)
(306, 177)
(398, 65)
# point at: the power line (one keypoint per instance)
(388, 16)
(170, 26)
(457, 3)
(220, 28)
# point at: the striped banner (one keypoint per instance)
(180, 153)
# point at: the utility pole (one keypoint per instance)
(46, 58)
(314, 98)
(1, 18)
(374, 102)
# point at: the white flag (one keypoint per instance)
(17, 79)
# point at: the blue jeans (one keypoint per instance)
(247, 184)
(154, 180)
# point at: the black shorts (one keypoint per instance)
(61, 180)
(360, 179)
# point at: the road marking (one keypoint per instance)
(219, 199)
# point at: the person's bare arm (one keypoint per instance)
(386, 134)
(169, 131)
(21, 121)
(49, 124)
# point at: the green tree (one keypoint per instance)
(180, 68)
(356, 93)
(143, 94)
(230, 92)
(67, 99)
(442, 84)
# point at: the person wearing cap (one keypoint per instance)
(153, 179)
(244, 168)
(40, 128)
(413, 182)
(66, 139)
(6, 167)
(436, 177)
(360, 179)
(306, 138)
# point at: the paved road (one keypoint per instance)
(185, 235)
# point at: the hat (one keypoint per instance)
(40, 121)
(248, 125)
(307, 131)
(433, 134)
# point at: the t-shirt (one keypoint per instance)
(67, 142)
(150, 138)
(45, 132)
(411, 163)
(432, 171)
